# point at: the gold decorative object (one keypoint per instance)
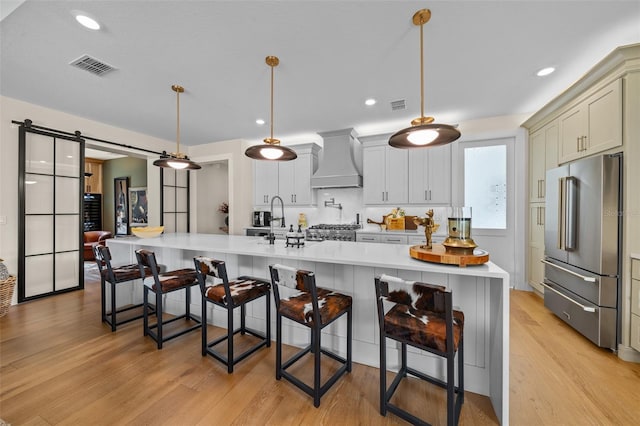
(459, 239)
(177, 160)
(273, 151)
(147, 231)
(430, 227)
(423, 131)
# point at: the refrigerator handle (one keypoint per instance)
(561, 214)
(571, 215)
(582, 277)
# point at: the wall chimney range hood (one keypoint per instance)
(340, 161)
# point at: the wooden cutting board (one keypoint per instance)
(439, 254)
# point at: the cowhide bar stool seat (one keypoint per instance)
(114, 276)
(419, 315)
(160, 284)
(230, 295)
(298, 299)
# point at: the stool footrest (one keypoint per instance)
(243, 355)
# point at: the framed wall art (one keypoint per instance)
(138, 209)
(121, 204)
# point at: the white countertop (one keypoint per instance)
(339, 252)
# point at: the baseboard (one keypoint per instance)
(628, 354)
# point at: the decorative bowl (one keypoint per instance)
(147, 231)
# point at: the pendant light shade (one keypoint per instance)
(271, 150)
(176, 160)
(423, 133)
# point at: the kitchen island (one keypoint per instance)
(482, 292)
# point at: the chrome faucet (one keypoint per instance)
(272, 237)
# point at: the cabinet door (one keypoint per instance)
(604, 110)
(551, 145)
(536, 245)
(393, 239)
(397, 175)
(374, 188)
(265, 182)
(537, 166)
(419, 176)
(286, 181)
(304, 171)
(368, 238)
(573, 128)
(439, 175)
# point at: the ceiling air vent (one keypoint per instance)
(398, 105)
(93, 65)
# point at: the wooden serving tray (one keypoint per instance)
(439, 254)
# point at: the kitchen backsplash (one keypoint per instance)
(351, 201)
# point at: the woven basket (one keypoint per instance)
(6, 293)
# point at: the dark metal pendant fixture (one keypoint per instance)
(423, 133)
(272, 151)
(176, 160)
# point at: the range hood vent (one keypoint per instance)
(340, 161)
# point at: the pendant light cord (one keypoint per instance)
(421, 72)
(178, 120)
(271, 102)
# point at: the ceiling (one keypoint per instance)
(480, 61)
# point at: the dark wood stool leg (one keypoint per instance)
(349, 339)
(242, 316)
(451, 397)
(145, 310)
(383, 375)
(461, 368)
(187, 301)
(278, 346)
(113, 307)
(230, 336)
(315, 341)
(204, 326)
(159, 318)
(268, 316)
(103, 295)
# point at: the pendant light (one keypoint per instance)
(423, 133)
(176, 160)
(272, 151)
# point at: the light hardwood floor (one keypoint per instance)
(60, 365)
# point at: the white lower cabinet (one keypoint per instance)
(367, 238)
(393, 239)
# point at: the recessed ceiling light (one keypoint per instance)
(87, 22)
(545, 71)
(370, 102)
(260, 121)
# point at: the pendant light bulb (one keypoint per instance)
(423, 132)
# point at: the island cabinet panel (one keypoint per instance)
(481, 292)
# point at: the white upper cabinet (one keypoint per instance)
(543, 155)
(430, 175)
(593, 125)
(291, 180)
(385, 174)
(265, 186)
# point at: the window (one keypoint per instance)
(485, 185)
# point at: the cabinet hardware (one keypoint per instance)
(537, 215)
(382, 195)
(429, 195)
(584, 278)
(542, 213)
(578, 144)
(425, 195)
(583, 307)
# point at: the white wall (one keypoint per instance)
(213, 190)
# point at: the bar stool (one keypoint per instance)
(161, 284)
(230, 295)
(115, 276)
(421, 316)
(313, 307)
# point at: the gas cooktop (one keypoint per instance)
(337, 232)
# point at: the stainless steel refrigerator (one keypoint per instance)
(583, 237)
